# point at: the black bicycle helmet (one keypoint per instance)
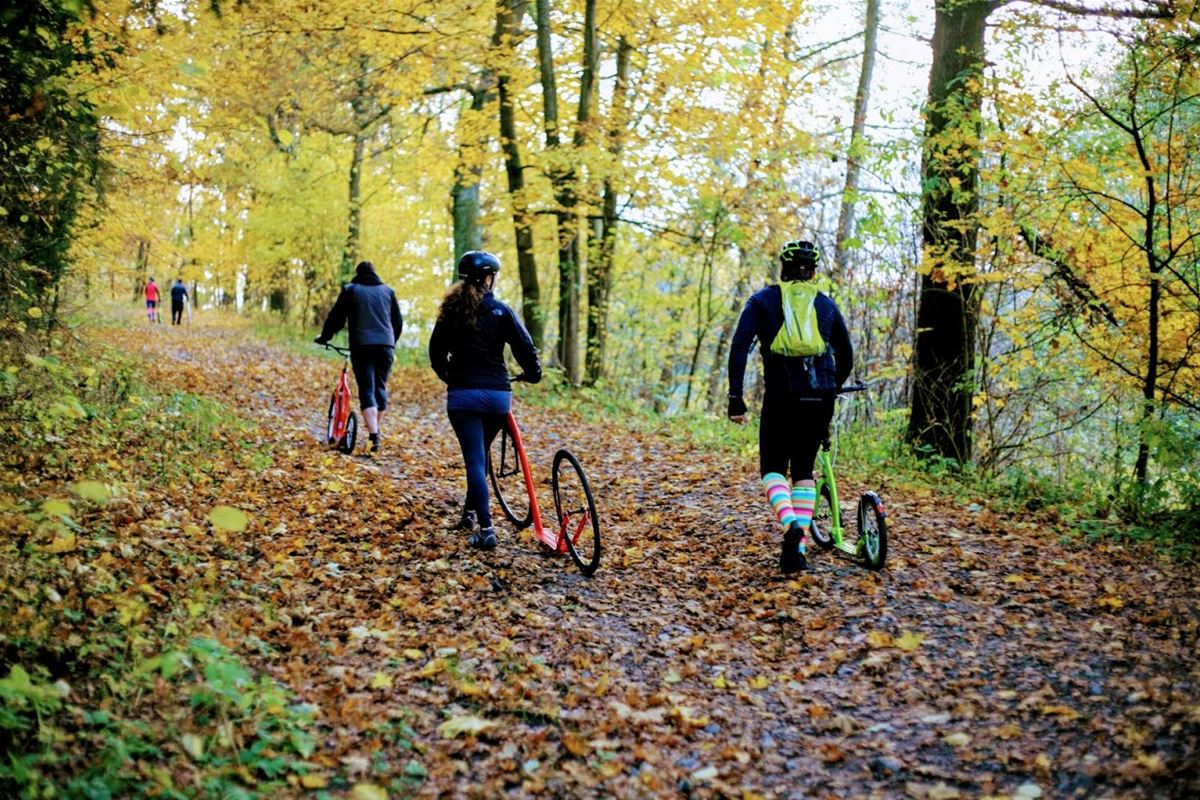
(799, 255)
(475, 265)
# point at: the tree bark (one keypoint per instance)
(845, 228)
(943, 352)
(464, 194)
(531, 302)
(354, 227)
(600, 262)
(563, 176)
(1150, 384)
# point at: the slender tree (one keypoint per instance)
(604, 238)
(507, 29)
(857, 144)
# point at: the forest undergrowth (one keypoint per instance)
(200, 599)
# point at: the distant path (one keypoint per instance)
(990, 658)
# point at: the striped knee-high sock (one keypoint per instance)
(804, 499)
(779, 495)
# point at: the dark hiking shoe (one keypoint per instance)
(374, 437)
(468, 521)
(483, 539)
(791, 555)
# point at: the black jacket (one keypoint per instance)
(473, 358)
(804, 377)
(369, 310)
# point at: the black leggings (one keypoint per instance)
(372, 364)
(790, 432)
(475, 431)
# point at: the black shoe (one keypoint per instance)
(374, 437)
(468, 521)
(791, 556)
(483, 539)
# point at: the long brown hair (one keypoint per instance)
(460, 306)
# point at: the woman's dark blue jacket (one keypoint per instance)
(467, 357)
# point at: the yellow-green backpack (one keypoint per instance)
(799, 335)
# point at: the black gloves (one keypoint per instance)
(737, 406)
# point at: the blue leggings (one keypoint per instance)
(371, 365)
(475, 431)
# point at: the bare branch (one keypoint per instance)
(1154, 9)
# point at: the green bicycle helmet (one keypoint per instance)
(799, 254)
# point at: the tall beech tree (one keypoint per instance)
(508, 29)
(943, 381)
(563, 174)
(857, 146)
(604, 226)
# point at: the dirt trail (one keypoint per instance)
(991, 657)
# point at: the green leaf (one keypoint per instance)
(228, 518)
(57, 507)
(302, 742)
(368, 791)
(194, 745)
(458, 726)
(92, 490)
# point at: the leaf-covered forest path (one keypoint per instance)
(991, 657)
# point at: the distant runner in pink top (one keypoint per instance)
(151, 300)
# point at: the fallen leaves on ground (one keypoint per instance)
(988, 658)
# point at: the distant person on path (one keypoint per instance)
(151, 300)
(179, 296)
(466, 351)
(799, 390)
(370, 312)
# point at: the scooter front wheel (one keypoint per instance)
(872, 531)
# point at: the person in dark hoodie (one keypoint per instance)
(466, 350)
(368, 309)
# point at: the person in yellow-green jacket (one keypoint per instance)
(799, 390)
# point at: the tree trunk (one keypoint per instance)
(142, 263)
(600, 262)
(531, 303)
(464, 194)
(563, 176)
(705, 314)
(853, 166)
(940, 419)
(1150, 384)
(716, 379)
(354, 230)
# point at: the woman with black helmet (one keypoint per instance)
(466, 351)
(798, 390)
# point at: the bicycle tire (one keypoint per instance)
(329, 438)
(573, 495)
(346, 443)
(872, 531)
(508, 484)
(822, 520)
